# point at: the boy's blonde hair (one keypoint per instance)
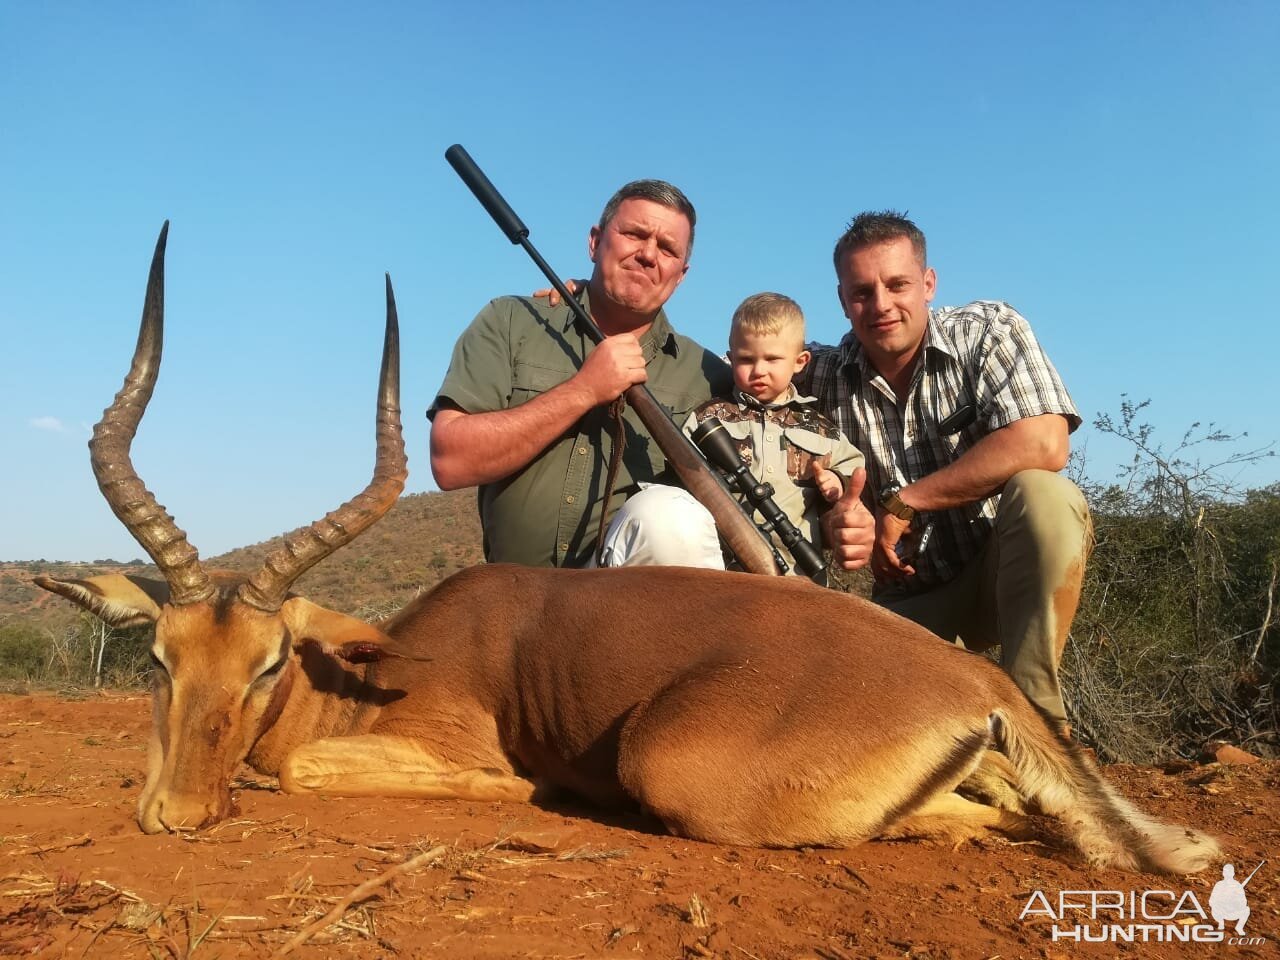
(768, 313)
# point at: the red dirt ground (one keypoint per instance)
(78, 879)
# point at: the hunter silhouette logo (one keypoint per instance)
(1147, 916)
(1228, 902)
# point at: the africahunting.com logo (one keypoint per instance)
(1148, 916)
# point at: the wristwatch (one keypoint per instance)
(893, 503)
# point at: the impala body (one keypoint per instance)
(736, 708)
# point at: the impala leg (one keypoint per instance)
(375, 765)
(708, 771)
(951, 817)
(994, 782)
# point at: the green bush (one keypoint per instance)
(85, 654)
(1172, 645)
(23, 651)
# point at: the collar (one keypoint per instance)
(792, 397)
(659, 336)
(936, 339)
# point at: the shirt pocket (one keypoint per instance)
(530, 379)
(739, 432)
(951, 446)
(804, 449)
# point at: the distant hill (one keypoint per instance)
(424, 538)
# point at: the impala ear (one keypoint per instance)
(115, 598)
(338, 634)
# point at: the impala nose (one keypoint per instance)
(177, 813)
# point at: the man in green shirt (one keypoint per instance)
(522, 412)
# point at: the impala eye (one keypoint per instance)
(272, 670)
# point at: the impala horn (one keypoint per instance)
(125, 493)
(305, 547)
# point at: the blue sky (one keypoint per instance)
(1108, 168)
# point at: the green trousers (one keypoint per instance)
(1022, 590)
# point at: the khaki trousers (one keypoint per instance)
(1022, 590)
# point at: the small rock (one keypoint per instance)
(1227, 754)
(617, 933)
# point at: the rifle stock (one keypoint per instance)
(749, 545)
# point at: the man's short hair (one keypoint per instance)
(768, 314)
(655, 191)
(880, 226)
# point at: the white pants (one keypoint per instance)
(663, 526)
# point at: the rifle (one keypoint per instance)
(748, 544)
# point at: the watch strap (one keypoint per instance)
(894, 504)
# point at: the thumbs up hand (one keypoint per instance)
(848, 527)
(827, 481)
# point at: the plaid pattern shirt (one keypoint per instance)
(983, 355)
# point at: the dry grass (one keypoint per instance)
(38, 909)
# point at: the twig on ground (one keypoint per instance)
(81, 841)
(120, 891)
(582, 853)
(359, 894)
(360, 842)
(96, 934)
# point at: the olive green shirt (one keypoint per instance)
(548, 513)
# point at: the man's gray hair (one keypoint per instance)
(880, 226)
(655, 191)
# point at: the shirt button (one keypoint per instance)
(564, 548)
(569, 498)
(582, 450)
(768, 469)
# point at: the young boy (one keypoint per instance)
(781, 437)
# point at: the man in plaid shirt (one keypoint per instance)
(964, 423)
